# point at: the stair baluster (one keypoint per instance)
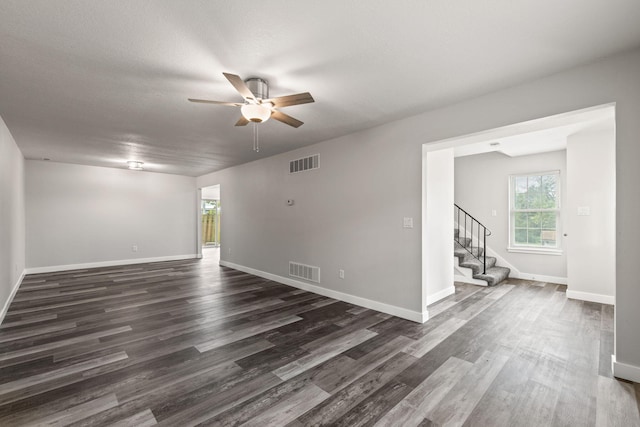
(481, 238)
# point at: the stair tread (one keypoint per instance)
(468, 258)
(477, 265)
(478, 261)
(463, 243)
(494, 275)
(461, 251)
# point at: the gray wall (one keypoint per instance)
(482, 185)
(350, 212)
(12, 208)
(346, 215)
(86, 214)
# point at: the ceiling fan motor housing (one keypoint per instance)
(259, 87)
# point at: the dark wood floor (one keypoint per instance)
(189, 343)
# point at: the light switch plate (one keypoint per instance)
(407, 222)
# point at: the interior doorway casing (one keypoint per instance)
(431, 185)
(209, 192)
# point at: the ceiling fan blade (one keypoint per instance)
(206, 101)
(240, 86)
(286, 119)
(242, 121)
(285, 101)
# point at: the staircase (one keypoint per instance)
(469, 248)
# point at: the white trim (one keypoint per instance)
(199, 223)
(13, 293)
(562, 119)
(588, 296)
(469, 280)
(542, 278)
(625, 371)
(513, 247)
(393, 310)
(533, 250)
(441, 294)
(55, 268)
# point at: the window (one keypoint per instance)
(535, 212)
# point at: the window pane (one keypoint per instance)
(520, 189)
(521, 236)
(548, 220)
(548, 194)
(536, 194)
(535, 220)
(520, 219)
(533, 192)
(533, 237)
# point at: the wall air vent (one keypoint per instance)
(306, 272)
(304, 164)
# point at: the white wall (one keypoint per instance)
(12, 218)
(437, 225)
(591, 238)
(87, 215)
(341, 219)
(482, 185)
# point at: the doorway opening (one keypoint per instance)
(210, 222)
(588, 136)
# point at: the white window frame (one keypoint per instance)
(546, 250)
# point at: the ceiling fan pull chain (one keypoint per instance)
(256, 141)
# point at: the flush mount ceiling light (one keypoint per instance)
(257, 113)
(135, 165)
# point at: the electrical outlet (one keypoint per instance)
(229, 251)
(341, 273)
(134, 248)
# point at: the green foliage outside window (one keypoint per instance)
(535, 209)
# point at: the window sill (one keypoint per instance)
(539, 251)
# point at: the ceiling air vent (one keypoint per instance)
(304, 164)
(306, 272)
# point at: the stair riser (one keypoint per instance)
(477, 269)
(473, 261)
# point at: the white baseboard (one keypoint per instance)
(55, 268)
(587, 296)
(13, 293)
(469, 280)
(625, 371)
(441, 294)
(541, 278)
(393, 310)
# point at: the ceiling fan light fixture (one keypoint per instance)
(256, 113)
(135, 165)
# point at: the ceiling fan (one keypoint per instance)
(257, 106)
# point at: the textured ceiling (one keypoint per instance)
(101, 82)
